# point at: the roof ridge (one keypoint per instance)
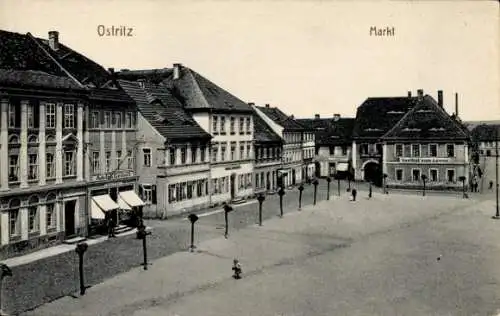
(189, 72)
(53, 59)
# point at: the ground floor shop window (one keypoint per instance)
(450, 175)
(415, 174)
(33, 218)
(187, 190)
(433, 175)
(399, 174)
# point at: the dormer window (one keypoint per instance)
(411, 129)
(372, 130)
(424, 111)
(395, 112)
(440, 129)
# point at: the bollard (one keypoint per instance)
(301, 188)
(261, 199)
(315, 182)
(281, 192)
(4, 272)
(227, 209)
(424, 177)
(81, 248)
(192, 218)
(328, 180)
(141, 234)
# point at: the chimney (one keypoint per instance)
(251, 103)
(409, 94)
(292, 117)
(111, 70)
(177, 71)
(336, 117)
(420, 93)
(316, 116)
(141, 82)
(54, 40)
(440, 98)
(267, 105)
(456, 104)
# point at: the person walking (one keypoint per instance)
(354, 192)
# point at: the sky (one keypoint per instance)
(305, 57)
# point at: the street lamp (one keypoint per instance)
(301, 188)
(424, 177)
(370, 191)
(80, 250)
(192, 218)
(328, 180)
(315, 182)
(227, 208)
(338, 185)
(4, 271)
(261, 199)
(142, 234)
(281, 192)
(462, 178)
(385, 175)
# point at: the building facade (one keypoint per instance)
(229, 121)
(173, 155)
(484, 154)
(332, 145)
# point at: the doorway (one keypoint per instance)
(373, 173)
(69, 218)
(293, 176)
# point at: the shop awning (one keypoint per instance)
(130, 198)
(95, 211)
(342, 166)
(105, 202)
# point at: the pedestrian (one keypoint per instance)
(237, 269)
(354, 192)
(491, 185)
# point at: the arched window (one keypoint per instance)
(33, 215)
(13, 139)
(51, 211)
(50, 139)
(32, 139)
(14, 220)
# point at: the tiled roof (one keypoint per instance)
(35, 79)
(111, 95)
(330, 131)
(376, 116)
(169, 119)
(485, 132)
(262, 131)
(197, 92)
(280, 118)
(427, 120)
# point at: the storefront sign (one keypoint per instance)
(425, 160)
(114, 175)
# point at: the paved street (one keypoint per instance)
(420, 256)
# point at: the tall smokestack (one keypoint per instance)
(54, 40)
(267, 105)
(420, 94)
(440, 98)
(456, 104)
(316, 116)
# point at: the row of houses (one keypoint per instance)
(80, 144)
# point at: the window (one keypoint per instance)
(13, 168)
(94, 119)
(147, 193)
(194, 151)
(433, 175)
(14, 221)
(31, 116)
(215, 125)
(344, 150)
(488, 152)
(223, 148)
(399, 150)
(172, 155)
(242, 151)
(50, 115)
(415, 174)
(128, 120)
(450, 150)
(69, 116)
(450, 175)
(50, 169)
(415, 150)
(222, 125)
(249, 130)
(363, 149)
(215, 149)
(69, 163)
(183, 155)
(96, 162)
(118, 159)
(107, 119)
(249, 148)
(202, 153)
(233, 151)
(107, 161)
(13, 115)
(399, 174)
(433, 150)
(146, 157)
(231, 125)
(242, 125)
(130, 160)
(51, 216)
(33, 220)
(118, 120)
(32, 167)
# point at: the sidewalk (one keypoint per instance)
(329, 226)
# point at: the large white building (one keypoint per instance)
(484, 156)
(229, 121)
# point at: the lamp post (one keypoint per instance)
(261, 199)
(80, 249)
(315, 183)
(462, 178)
(301, 188)
(281, 192)
(338, 185)
(142, 234)
(328, 180)
(385, 175)
(192, 218)
(4, 271)
(424, 177)
(227, 208)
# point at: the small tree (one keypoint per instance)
(424, 178)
